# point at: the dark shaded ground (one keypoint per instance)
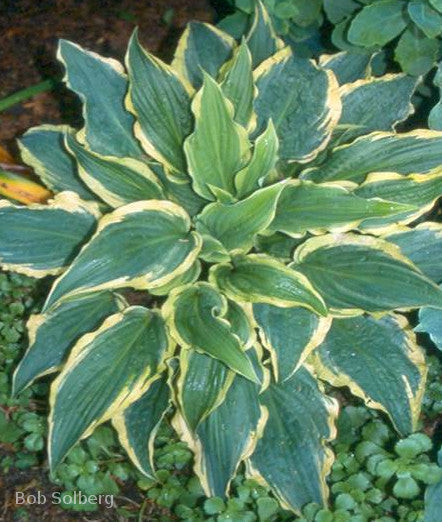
(29, 32)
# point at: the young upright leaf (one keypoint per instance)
(41, 240)
(388, 98)
(415, 53)
(257, 278)
(304, 206)
(101, 85)
(378, 23)
(262, 163)
(43, 149)
(261, 38)
(361, 273)
(238, 85)
(285, 83)
(107, 371)
(291, 456)
(423, 246)
(138, 424)
(237, 224)
(219, 147)
(197, 318)
(141, 245)
(416, 151)
(202, 48)
(290, 335)
(380, 361)
(226, 437)
(117, 181)
(161, 103)
(347, 67)
(419, 190)
(53, 333)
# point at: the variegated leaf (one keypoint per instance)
(198, 320)
(285, 83)
(138, 424)
(380, 361)
(306, 207)
(43, 149)
(117, 181)
(408, 153)
(54, 332)
(361, 273)
(290, 335)
(101, 84)
(219, 147)
(422, 245)
(141, 245)
(41, 240)
(388, 98)
(160, 100)
(257, 278)
(107, 371)
(236, 225)
(418, 190)
(202, 48)
(291, 456)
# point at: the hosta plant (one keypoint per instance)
(228, 232)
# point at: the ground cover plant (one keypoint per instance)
(258, 209)
(410, 28)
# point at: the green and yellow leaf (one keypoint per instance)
(197, 317)
(106, 372)
(257, 278)
(290, 335)
(117, 181)
(40, 240)
(138, 424)
(202, 48)
(292, 456)
(361, 273)
(261, 38)
(422, 245)
(388, 98)
(285, 83)
(264, 157)
(101, 84)
(219, 147)
(236, 225)
(43, 149)
(408, 153)
(141, 245)
(380, 361)
(160, 100)
(238, 86)
(419, 190)
(306, 207)
(54, 332)
(226, 437)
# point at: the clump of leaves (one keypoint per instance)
(262, 212)
(412, 28)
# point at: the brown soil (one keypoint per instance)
(30, 30)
